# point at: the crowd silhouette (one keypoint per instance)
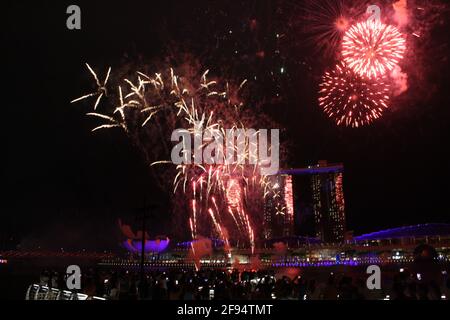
(247, 285)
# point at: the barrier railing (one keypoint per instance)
(39, 292)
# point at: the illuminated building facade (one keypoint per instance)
(278, 208)
(329, 214)
(319, 191)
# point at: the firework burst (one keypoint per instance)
(371, 48)
(351, 100)
(148, 109)
(101, 88)
(325, 22)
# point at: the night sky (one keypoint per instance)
(63, 184)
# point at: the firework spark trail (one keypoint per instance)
(249, 230)
(219, 229)
(191, 224)
(230, 211)
(233, 197)
(113, 123)
(215, 203)
(350, 100)
(371, 48)
(194, 216)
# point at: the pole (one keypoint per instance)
(145, 214)
(142, 271)
(143, 251)
(145, 210)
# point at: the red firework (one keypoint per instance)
(372, 48)
(325, 22)
(351, 100)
